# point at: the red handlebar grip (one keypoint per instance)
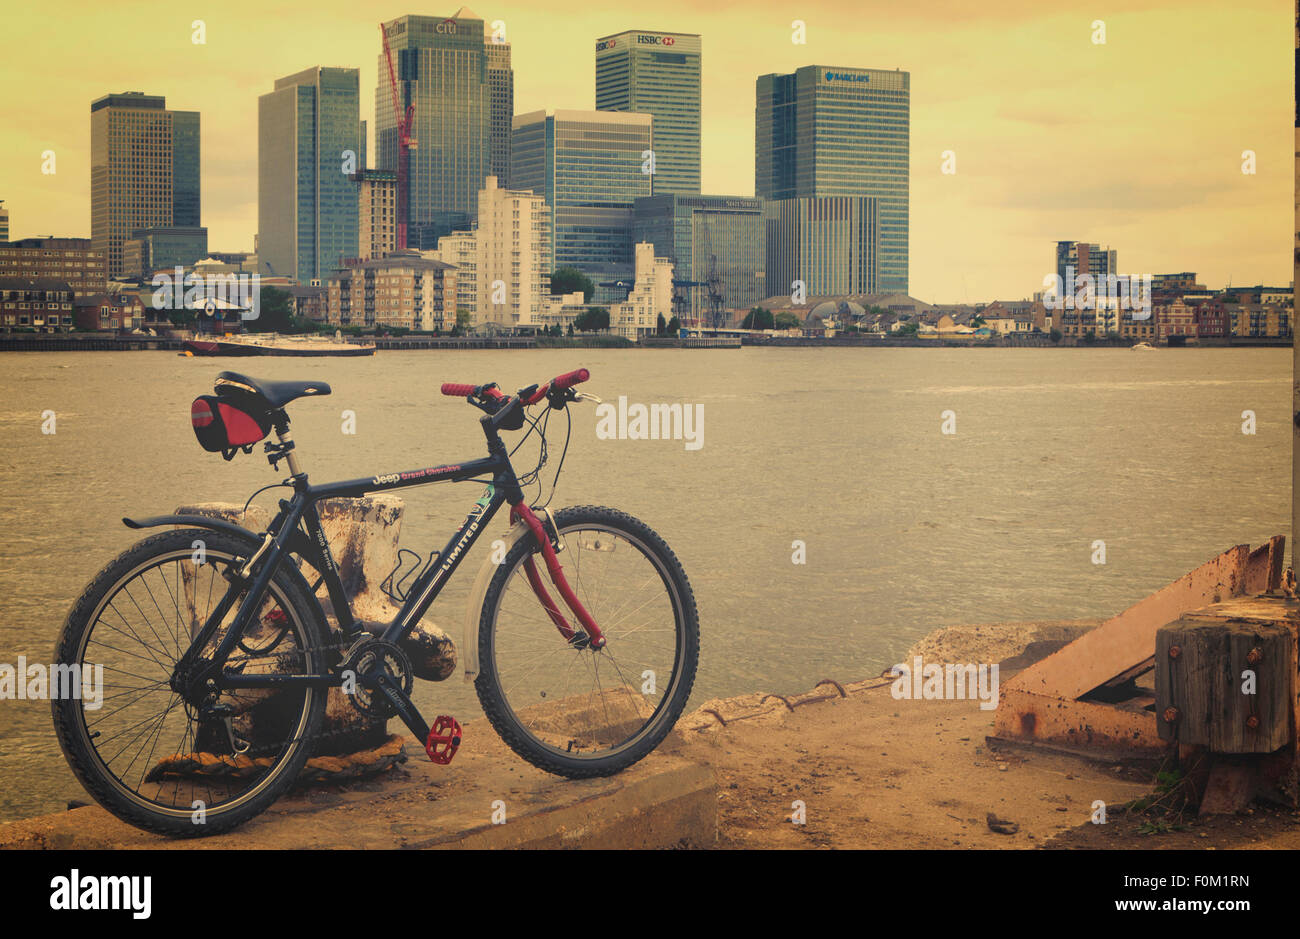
(568, 380)
(455, 390)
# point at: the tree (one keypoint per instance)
(757, 318)
(570, 329)
(593, 319)
(787, 320)
(908, 329)
(674, 326)
(1055, 335)
(275, 312)
(661, 325)
(570, 280)
(977, 321)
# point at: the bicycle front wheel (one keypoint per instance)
(150, 757)
(561, 705)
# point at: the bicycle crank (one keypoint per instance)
(371, 661)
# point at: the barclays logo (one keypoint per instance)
(846, 77)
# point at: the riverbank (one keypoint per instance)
(865, 770)
(95, 342)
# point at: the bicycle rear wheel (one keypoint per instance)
(142, 751)
(561, 705)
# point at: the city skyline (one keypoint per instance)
(1155, 147)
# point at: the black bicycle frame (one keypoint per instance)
(280, 540)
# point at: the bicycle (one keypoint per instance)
(209, 710)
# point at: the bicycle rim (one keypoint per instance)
(150, 746)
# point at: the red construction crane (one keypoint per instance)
(405, 144)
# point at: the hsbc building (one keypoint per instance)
(657, 73)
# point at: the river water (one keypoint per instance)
(904, 528)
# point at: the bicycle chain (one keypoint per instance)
(345, 645)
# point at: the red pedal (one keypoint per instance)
(444, 739)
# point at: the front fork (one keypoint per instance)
(595, 639)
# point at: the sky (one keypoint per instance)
(1136, 143)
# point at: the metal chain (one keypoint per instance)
(343, 645)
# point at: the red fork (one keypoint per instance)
(553, 567)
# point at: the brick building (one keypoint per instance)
(116, 312)
(404, 290)
(65, 259)
(43, 304)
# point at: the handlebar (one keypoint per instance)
(527, 395)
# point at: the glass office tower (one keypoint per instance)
(588, 166)
(441, 65)
(657, 74)
(825, 131)
(830, 243)
(501, 82)
(704, 235)
(144, 170)
(306, 203)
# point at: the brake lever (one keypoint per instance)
(583, 396)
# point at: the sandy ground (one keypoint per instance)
(875, 772)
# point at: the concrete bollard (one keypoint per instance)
(363, 535)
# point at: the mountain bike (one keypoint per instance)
(218, 656)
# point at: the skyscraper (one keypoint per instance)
(831, 131)
(828, 243)
(588, 166)
(657, 74)
(501, 81)
(308, 146)
(705, 236)
(144, 170)
(441, 67)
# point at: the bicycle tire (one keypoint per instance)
(499, 710)
(290, 592)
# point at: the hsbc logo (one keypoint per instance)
(606, 44)
(656, 40)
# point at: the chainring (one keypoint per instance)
(378, 654)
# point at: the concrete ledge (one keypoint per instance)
(663, 801)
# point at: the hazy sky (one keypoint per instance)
(1136, 143)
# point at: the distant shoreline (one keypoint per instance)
(94, 343)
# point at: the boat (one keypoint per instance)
(1143, 347)
(274, 344)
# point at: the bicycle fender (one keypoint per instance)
(191, 521)
(298, 543)
(478, 593)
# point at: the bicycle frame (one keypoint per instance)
(299, 513)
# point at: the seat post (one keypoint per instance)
(285, 437)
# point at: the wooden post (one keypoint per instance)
(1295, 334)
